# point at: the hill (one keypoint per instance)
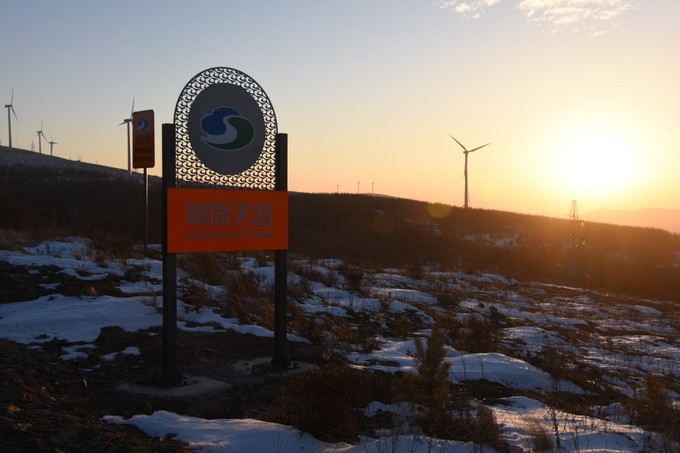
(49, 197)
(665, 219)
(400, 337)
(382, 360)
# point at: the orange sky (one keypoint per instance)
(579, 99)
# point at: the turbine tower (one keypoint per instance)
(52, 143)
(40, 137)
(466, 152)
(128, 121)
(9, 107)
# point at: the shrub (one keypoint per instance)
(433, 369)
(262, 312)
(328, 278)
(243, 284)
(354, 278)
(205, 267)
(479, 335)
(197, 297)
(539, 439)
(655, 409)
(486, 431)
(324, 402)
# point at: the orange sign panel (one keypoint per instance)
(214, 220)
(143, 144)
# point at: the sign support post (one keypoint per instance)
(281, 359)
(146, 209)
(170, 377)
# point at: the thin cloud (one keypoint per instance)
(557, 15)
(469, 9)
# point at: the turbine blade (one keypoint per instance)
(11, 100)
(479, 147)
(461, 145)
(132, 110)
(15, 113)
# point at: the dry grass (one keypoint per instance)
(537, 436)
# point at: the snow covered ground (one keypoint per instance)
(619, 339)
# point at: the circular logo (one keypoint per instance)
(142, 124)
(226, 128)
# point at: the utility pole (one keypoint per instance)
(575, 243)
(575, 227)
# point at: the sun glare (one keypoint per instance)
(596, 159)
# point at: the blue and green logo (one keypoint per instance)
(226, 129)
(142, 124)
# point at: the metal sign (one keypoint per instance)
(225, 188)
(143, 143)
(225, 131)
(205, 220)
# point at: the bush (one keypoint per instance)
(478, 335)
(539, 439)
(354, 278)
(433, 369)
(205, 267)
(655, 409)
(324, 402)
(486, 430)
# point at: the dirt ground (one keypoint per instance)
(48, 404)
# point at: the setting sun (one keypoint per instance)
(596, 158)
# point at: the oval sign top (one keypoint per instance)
(226, 128)
(229, 122)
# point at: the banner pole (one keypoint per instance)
(281, 359)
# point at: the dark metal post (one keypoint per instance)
(281, 359)
(146, 208)
(170, 375)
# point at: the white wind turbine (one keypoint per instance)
(9, 107)
(128, 121)
(466, 151)
(40, 137)
(52, 143)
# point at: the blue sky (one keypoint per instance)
(579, 97)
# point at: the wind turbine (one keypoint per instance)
(40, 137)
(52, 143)
(466, 151)
(9, 107)
(128, 121)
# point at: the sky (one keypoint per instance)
(579, 98)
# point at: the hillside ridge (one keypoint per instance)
(108, 206)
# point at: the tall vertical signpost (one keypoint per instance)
(224, 188)
(143, 155)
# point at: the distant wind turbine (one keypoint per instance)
(52, 143)
(128, 121)
(9, 107)
(40, 137)
(466, 151)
